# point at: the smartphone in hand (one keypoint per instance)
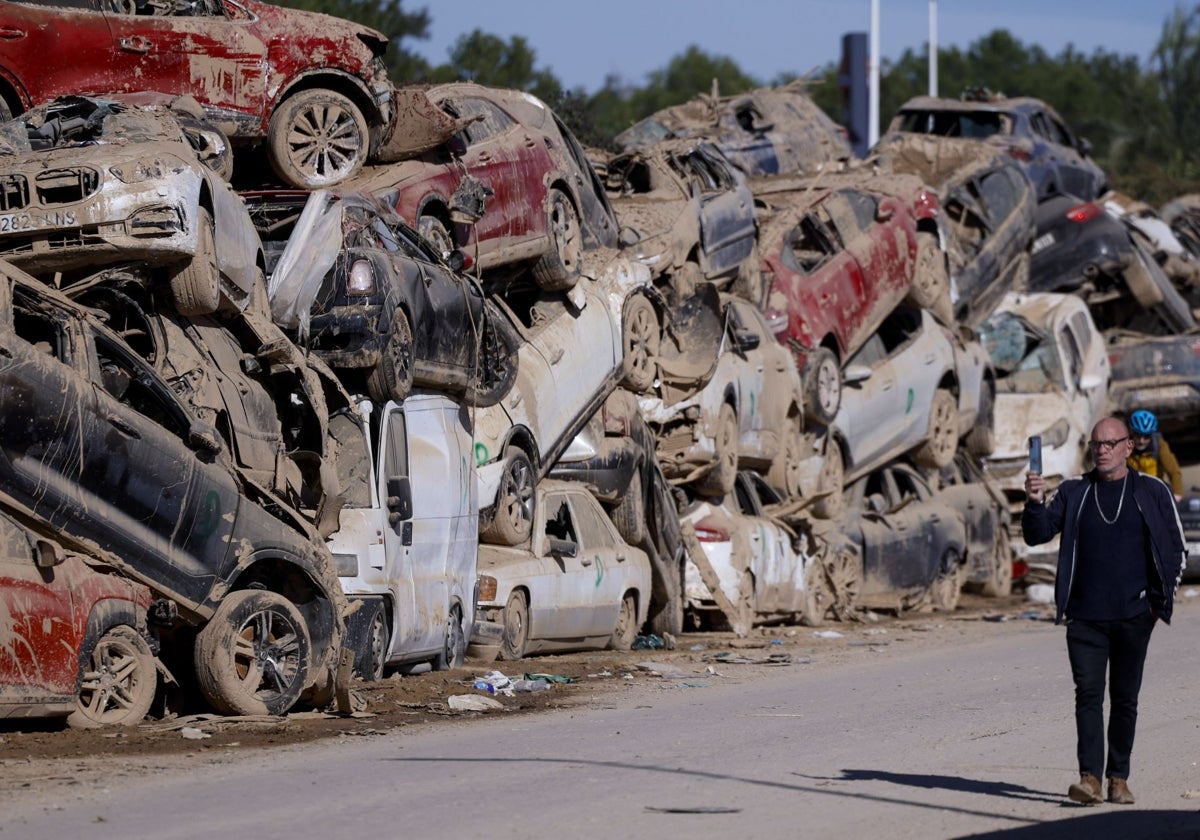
(1035, 454)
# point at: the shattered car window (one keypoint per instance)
(592, 528)
(810, 245)
(646, 133)
(973, 124)
(561, 526)
(1024, 360)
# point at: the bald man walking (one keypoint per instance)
(1119, 563)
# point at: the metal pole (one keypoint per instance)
(933, 48)
(873, 78)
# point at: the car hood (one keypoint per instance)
(1020, 415)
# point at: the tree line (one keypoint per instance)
(1143, 119)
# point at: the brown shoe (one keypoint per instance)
(1118, 792)
(1087, 790)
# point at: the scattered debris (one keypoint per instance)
(650, 642)
(191, 733)
(663, 669)
(472, 703)
(1040, 593)
(826, 634)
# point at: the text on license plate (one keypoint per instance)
(16, 222)
(1043, 241)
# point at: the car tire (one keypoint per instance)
(832, 478)
(785, 470)
(931, 279)
(818, 597)
(454, 645)
(118, 683)
(938, 449)
(669, 618)
(558, 268)
(515, 636)
(641, 342)
(498, 362)
(252, 627)
(981, 440)
(392, 377)
(196, 288)
(626, 629)
(436, 234)
(630, 514)
(6, 113)
(371, 660)
(1000, 583)
(822, 386)
(845, 578)
(723, 475)
(947, 586)
(510, 520)
(317, 138)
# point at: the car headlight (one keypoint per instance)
(362, 278)
(1057, 434)
(138, 171)
(487, 588)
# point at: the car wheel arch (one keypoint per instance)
(294, 580)
(104, 616)
(326, 79)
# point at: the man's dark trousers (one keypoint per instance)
(1094, 646)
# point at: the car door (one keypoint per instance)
(973, 264)
(210, 53)
(607, 558)
(755, 432)
(883, 243)
(870, 404)
(1074, 175)
(55, 47)
(727, 225)
(562, 601)
(411, 630)
(893, 557)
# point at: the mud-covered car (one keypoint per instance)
(985, 512)
(1026, 129)
(766, 564)
(987, 220)
(75, 639)
(912, 544)
(90, 182)
(576, 586)
(511, 187)
(312, 87)
(838, 255)
(1077, 245)
(1159, 373)
(769, 131)
(1052, 377)
(914, 387)
(685, 210)
(99, 446)
(367, 294)
(749, 414)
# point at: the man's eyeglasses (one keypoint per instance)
(1098, 445)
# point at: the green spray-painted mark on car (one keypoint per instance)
(599, 571)
(912, 397)
(481, 454)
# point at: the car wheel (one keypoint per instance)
(818, 597)
(981, 440)
(822, 386)
(784, 474)
(720, 480)
(626, 630)
(630, 515)
(641, 342)
(316, 139)
(118, 684)
(558, 268)
(947, 586)
(454, 647)
(510, 520)
(498, 363)
(938, 449)
(254, 655)
(832, 479)
(372, 659)
(669, 618)
(515, 636)
(844, 579)
(196, 288)
(436, 234)
(6, 113)
(1000, 584)
(392, 377)
(931, 280)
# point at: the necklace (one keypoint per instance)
(1120, 502)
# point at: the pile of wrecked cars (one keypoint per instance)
(462, 385)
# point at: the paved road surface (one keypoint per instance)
(971, 739)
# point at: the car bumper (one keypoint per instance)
(1178, 401)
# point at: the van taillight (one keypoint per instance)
(1085, 212)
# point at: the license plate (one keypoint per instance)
(1042, 242)
(17, 222)
(1163, 394)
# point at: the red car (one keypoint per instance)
(72, 636)
(838, 254)
(512, 186)
(314, 87)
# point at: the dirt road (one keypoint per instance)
(924, 727)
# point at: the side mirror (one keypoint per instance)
(746, 340)
(855, 373)
(459, 261)
(562, 548)
(399, 499)
(48, 554)
(204, 438)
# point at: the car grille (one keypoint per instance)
(14, 192)
(66, 186)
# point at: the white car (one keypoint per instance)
(749, 413)
(577, 586)
(783, 576)
(913, 387)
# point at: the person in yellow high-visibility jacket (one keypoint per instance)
(1151, 455)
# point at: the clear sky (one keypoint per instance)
(583, 42)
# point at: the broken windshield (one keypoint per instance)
(1025, 360)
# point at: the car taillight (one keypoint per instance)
(362, 278)
(1020, 569)
(709, 532)
(927, 206)
(487, 588)
(1085, 212)
(1114, 356)
(1017, 153)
